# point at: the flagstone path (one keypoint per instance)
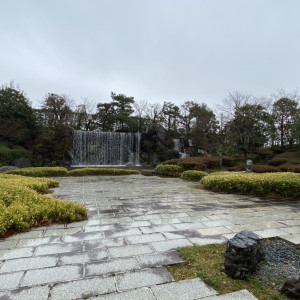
(135, 225)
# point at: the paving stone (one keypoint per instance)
(138, 294)
(135, 224)
(82, 257)
(122, 232)
(166, 221)
(239, 228)
(28, 263)
(62, 231)
(49, 275)
(112, 266)
(291, 222)
(181, 234)
(58, 248)
(8, 244)
(83, 288)
(240, 295)
(16, 253)
(267, 233)
(10, 281)
(130, 250)
(35, 293)
(293, 238)
(292, 230)
(38, 242)
(159, 228)
(142, 278)
(160, 259)
(183, 290)
(83, 236)
(207, 240)
(268, 225)
(171, 245)
(27, 235)
(103, 243)
(145, 238)
(100, 228)
(214, 230)
(194, 225)
(217, 223)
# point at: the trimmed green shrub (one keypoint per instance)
(282, 184)
(40, 172)
(8, 154)
(22, 207)
(193, 175)
(102, 171)
(202, 163)
(169, 170)
(256, 169)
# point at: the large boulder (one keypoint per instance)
(7, 168)
(291, 288)
(243, 253)
(22, 162)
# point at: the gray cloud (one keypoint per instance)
(158, 50)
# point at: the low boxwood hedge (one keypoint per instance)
(169, 170)
(102, 171)
(281, 184)
(193, 175)
(21, 206)
(41, 172)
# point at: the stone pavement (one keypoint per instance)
(135, 225)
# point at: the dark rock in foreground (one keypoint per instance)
(243, 253)
(292, 288)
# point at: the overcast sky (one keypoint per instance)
(155, 50)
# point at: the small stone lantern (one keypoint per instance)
(249, 166)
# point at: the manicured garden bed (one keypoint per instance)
(22, 205)
(266, 184)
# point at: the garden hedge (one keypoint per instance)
(169, 170)
(102, 171)
(40, 172)
(280, 184)
(193, 175)
(21, 206)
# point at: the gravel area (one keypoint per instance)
(282, 262)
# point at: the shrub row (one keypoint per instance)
(22, 207)
(256, 169)
(60, 171)
(282, 184)
(202, 163)
(193, 175)
(169, 170)
(100, 171)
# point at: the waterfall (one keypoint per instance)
(178, 145)
(96, 148)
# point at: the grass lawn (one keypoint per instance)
(206, 262)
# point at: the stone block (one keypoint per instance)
(243, 253)
(171, 245)
(130, 250)
(35, 293)
(83, 288)
(138, 294)
(183, 290)
(50, 275)
(142, 278)
(112, 266)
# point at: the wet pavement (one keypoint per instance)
(135, 225)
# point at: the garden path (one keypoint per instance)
(135, 225)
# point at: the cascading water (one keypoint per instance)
(179, 147)
(97, 148)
